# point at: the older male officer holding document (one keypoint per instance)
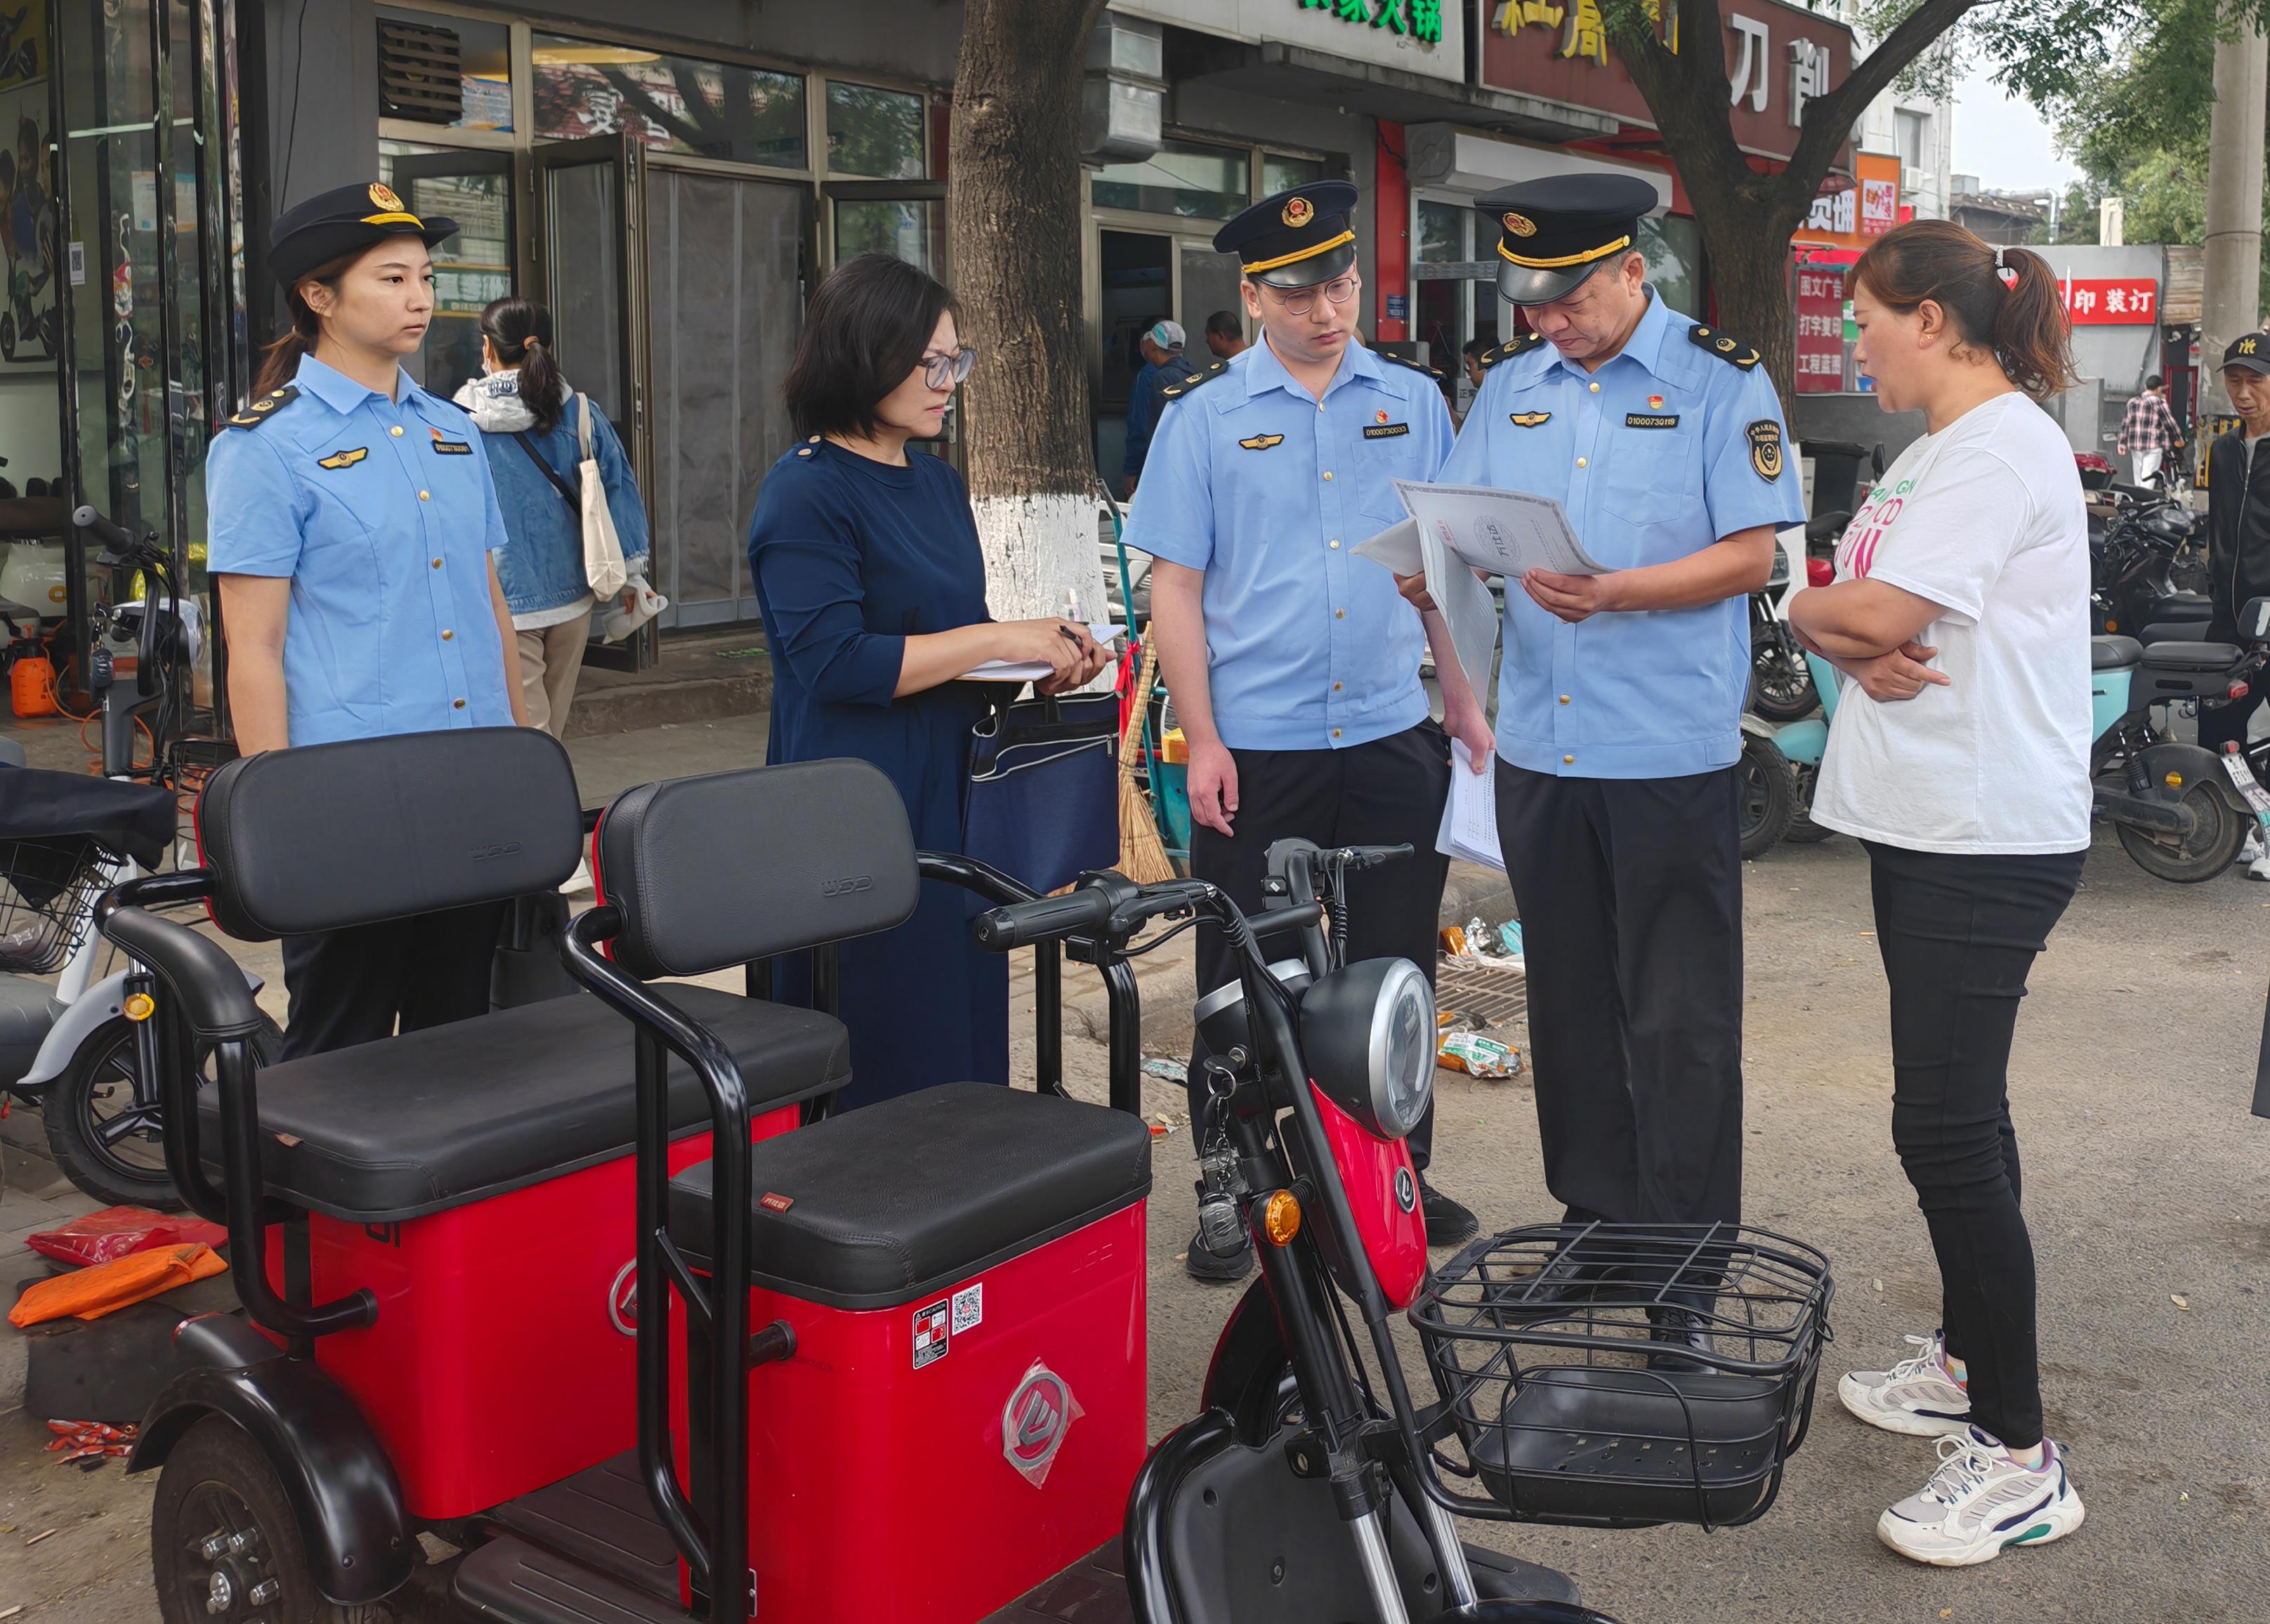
(1620, 694)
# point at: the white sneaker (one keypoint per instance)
(2252, 851)
(2258, 869)
(1980, 1503)
(1918, 1395)
(580, 880)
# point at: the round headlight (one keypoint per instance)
(1369, 1035)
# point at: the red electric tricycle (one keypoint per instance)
(598, 1292)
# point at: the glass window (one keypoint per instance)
(409, 41)
(874, 132)
(1197, 183)
(909, 229)
(471, 267)
(1672, 247)
(1909, 130)
(1442, 233)
(749, 116)
(1280, 173)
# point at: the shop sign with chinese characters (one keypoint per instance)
(2111, 302)
(1778, 57)
(1863, 206)
(1420, 19)
(1820, 362)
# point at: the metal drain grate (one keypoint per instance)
(1493, 994)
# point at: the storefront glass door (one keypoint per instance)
(471, 268)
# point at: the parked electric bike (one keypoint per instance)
(2133, 591)
(876, 1365)
(65, 839)
(1795, 746)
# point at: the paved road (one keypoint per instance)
(2145, 1180)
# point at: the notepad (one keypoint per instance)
(1469, 828)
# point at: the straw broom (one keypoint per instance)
(1142, 853)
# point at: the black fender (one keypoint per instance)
(2191, 764)
(334, 1473)
(1248, 1365)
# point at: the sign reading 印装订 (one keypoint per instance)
(2111, 302)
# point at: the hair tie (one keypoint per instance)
(537, 343)
(2007, 274)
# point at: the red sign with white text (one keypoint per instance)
(2112, 301)
(1819, 328)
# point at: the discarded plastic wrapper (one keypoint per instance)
(119, 1231)
(1478, 1056)
(109, 1286)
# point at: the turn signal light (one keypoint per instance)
(1280, 1218)
(2238, 690)
(141, 1006)
(2175, 780)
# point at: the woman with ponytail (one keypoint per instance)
(538, 432)
(1960, 757)
(351, 532)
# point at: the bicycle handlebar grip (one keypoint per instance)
(1043, 919)
(1372, 857)
(113, 536)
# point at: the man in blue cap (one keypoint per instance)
(1620, 696)
(1295, 666)
(1162, 346)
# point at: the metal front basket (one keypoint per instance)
(48, 887)
(1619, 1376)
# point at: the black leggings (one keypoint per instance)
(1958, 933)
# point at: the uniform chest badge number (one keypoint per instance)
(451, 448)
(1765, 448)
(1650, 419)
(1384, 431)
(343, 459)
(1530, 420)
(1262, 442)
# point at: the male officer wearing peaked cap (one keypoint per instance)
(1294, 664)
(1620, 696)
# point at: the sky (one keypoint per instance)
(2002, 140)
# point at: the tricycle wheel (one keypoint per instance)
(2219, 828)
(224, 1545)
(103, 1120)
(1766, 792)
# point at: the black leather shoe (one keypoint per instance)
(1448, 1222)
(1567, 1282)
(1683, 1319)
(1215, 1268)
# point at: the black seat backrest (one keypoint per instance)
(720, 870)
(324, 836)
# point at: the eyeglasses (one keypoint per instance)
(1301, 300)
(943, 371)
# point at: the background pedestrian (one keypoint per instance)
(1225, 335)
(353, 531)
(1961, 614)
(2238, 541)
(534, 428)
(1161, 348)
(2149, 433)
(867, 572)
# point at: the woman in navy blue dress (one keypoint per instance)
(868, 573)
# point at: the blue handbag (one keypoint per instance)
(1042, 801)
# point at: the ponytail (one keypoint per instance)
(2006, 298)
(280, 362)
(520, 331)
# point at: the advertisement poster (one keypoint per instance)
(1819, 306)
(29, 254)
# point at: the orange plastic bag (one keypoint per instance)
(121, 1284)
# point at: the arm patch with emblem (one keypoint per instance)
(1520, 343)
(1175, 391)
(266, 407)
(1724, 346)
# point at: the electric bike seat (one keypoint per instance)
(2109, 653)
(2191, 656)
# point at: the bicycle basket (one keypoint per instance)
(48, 887)
(1619, 1375)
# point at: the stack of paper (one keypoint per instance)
(1031, 671)
(1470, 815)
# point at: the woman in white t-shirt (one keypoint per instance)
(1960, 756)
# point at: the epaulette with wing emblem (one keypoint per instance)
(266, 407)
(1435, 372)
(1520, 343)
(1724, 346)
(1175, 391)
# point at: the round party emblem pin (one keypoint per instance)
(1299, 212)
(1520, 225)
(384, 198)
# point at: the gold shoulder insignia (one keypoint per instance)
(265, 408)
(1435, 372)
(1724, 346)
(1175, 391)
(1520, 343)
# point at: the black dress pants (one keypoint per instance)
(1383, 793)
(352, 986)
(1630, 893)
(1958, 933)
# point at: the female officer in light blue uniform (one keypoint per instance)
(352, 517)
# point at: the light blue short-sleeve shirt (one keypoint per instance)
(382, 514)
(1253, 480)
(1669, 448)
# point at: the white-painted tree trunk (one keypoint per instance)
(1037, 549)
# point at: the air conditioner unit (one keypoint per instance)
(1913, 180)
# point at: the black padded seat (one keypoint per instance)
(454, 1113)
(2191, 657)
(2107, 654)
(881, 1206)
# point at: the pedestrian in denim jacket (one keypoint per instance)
(523, 405)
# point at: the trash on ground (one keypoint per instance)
(1478, 1056)
(35, 1539)
(107, 1287)
(1508, 938)
(2179, 1301)
(118, 1232)
(1167, 1070)
(1480, 945)
(89, 1443)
